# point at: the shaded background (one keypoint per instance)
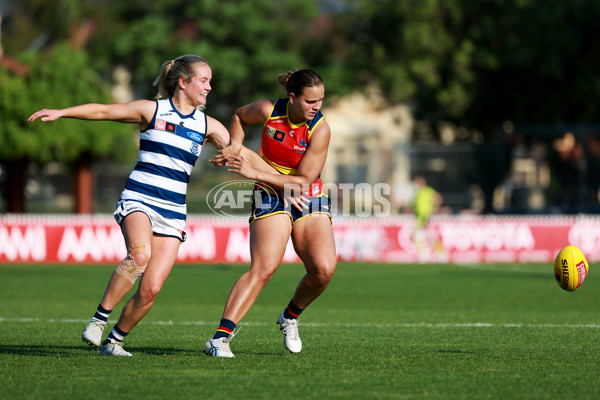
(494, 102)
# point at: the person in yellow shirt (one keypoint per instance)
(427, 202)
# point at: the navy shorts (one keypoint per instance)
(266, 203)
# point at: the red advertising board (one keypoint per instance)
(469, 239)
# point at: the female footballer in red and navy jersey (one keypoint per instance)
(295, 140)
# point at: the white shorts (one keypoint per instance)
(160, 225)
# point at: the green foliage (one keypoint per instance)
(60, 79)
(476, 63)
(479, 63)
(145, 56)
(408, 49)
(247, 43)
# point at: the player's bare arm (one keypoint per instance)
(216, 133)
(309, 169)
(135, 112)
(250, 114)
(218, 136)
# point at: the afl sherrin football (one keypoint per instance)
(570, 268)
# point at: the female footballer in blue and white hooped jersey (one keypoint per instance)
(152, 207)
(169, 148)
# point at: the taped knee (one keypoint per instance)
(135, 263)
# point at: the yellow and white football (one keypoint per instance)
(570, 268)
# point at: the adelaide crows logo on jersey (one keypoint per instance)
(276, 134)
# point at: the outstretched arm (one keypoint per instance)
(140, 112)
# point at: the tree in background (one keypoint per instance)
(59, 79)
(474, 64)
(248, 43)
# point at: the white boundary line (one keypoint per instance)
(319, 325)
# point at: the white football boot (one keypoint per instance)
(92, 334)
(114, 349)
(291, 337)
(220, 347)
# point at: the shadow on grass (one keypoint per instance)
(43, 350)
(79, 350)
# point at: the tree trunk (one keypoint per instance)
(83, 187)
(14, 195)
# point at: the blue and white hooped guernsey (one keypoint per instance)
(169, 148)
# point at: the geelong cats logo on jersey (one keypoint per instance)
(275, 134)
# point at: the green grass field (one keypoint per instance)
(378, 332)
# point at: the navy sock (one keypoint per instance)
(292, 311)
(225, 328)
(101, 314)
(116, 335)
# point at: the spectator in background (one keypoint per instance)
(427, 202)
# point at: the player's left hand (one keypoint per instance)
(231, 150)
(240, 165)
(220, 159)
(46, 115)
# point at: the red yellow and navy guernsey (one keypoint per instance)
(283, 145)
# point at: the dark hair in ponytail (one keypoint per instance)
(295, 82)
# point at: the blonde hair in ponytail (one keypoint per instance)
(170, 72)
